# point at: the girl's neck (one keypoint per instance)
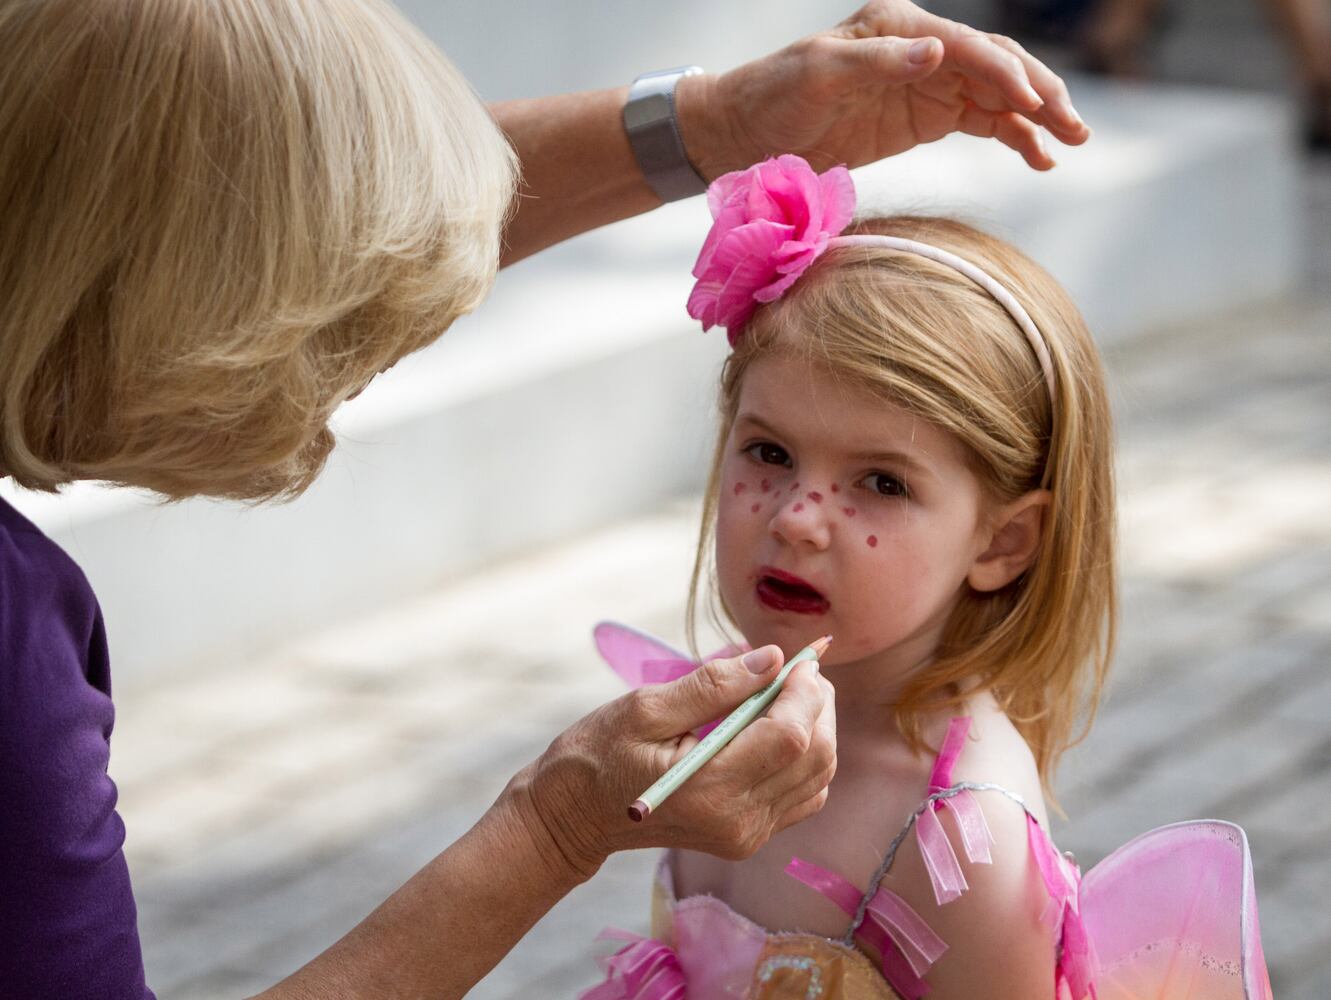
(869, 691)
(867, 695)
(869, 688)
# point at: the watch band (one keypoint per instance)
(653, 131)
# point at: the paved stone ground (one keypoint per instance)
(271, 804)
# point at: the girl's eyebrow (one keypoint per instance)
(890, 457)
(757, 421)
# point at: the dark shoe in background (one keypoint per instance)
(1317, 130)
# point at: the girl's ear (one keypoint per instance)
(1014, 542)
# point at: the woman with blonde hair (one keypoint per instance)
(220, 221)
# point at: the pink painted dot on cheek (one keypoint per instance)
(755, 508)
(816, 497)
(766, 486)
(794, 488)
(798, 507)
(836, 488)
(740, 488)
(873, 541)
(848, 511)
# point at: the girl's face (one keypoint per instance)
(842, 513)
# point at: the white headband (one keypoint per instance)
(1004, 298)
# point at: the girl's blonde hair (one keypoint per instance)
(925, 337)
(221, 219)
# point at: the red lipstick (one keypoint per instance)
(782, 591)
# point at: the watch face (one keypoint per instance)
(647, 110)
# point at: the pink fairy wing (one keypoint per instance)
(640, 658)
(1174, 913)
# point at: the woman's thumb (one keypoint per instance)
(713, 690)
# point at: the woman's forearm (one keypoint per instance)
(452, 922)
(578, 171)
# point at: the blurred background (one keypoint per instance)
(316, 699)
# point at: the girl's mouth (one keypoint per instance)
(782, 591)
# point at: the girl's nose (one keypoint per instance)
(802, 521)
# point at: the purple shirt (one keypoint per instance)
(68, 924)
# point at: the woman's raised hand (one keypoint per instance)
(771, 775)
(889, 77)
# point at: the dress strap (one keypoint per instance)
(953, 742)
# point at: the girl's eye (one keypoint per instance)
(886, 485)
(768, 453)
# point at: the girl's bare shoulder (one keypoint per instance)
(1006, 894)
(995, 753)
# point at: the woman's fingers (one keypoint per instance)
(980, 60)
(794, 740)
(784, 735)
(807, 796)
(735, 802)
(1012, 130)
(1058, 115)
(973, 53)
(989, 61)
(780, 761)
(710, 692)
(807, 774)
(803, 800)
(802, 811)
(1002, 76)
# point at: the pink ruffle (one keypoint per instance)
(644, 969)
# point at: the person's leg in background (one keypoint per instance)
(1306, 27)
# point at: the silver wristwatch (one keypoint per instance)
(653, 130)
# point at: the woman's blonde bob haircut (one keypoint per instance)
(923, 336)
(222, 218)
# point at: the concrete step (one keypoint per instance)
(581, 392)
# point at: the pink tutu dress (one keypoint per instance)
(1172, 915)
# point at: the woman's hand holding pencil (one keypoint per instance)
(772, 772)
(714, 742)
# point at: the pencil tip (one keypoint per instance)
(819, 646)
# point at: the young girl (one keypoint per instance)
(915, 456)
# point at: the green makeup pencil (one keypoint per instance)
(733, 724)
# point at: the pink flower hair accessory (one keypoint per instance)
(773, 220)
(770, 222)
